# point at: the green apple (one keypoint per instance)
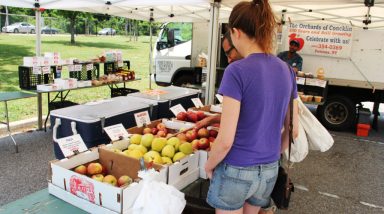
(135, 139)
(110, 179)
(166, 160)
(173, 141)
(178, 156)
(153, 156)
(168, 151)
(158, 144)
(186, 148)
(146, 140)
(141, 148)
(98, 177)
(132, 146)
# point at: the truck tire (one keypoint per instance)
(338, 113)
(182, 80)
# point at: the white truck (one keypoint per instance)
(354, 71)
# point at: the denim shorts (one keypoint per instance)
(232, 186)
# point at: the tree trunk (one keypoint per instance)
(72, 28)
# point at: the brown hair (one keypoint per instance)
(257, 20)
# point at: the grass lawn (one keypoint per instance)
(14, 47)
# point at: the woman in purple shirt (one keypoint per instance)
(243, 163)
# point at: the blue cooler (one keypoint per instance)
(91, 118)
(172, 96)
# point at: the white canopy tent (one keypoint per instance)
(353, 12)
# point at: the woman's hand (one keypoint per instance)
(209, 171)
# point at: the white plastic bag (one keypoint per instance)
(158, 197)
(299, 149)
(318, 136)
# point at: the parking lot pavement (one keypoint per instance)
(346, 179)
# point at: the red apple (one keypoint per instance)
(200, 115)
(203, 143)
(110, 179)
(192, 116)
(154, 131)
(182, 137)
(181, 116)
(203, 132)
(191, 135)
(160, 126)
(195, 144)
(147, 130)
(161, 133)
(98, 177)
(213, 133)
(104, 171)
(81, 169)
(124, 180)
(211, 139)
(216, 125)
(94, 168)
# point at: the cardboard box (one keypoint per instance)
(203, 157)
(76, 188)
(84, 83)
(47, 87)
(212, 109)
(66, 83)
(173, 125)
(184, 172)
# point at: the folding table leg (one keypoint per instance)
(8, 128)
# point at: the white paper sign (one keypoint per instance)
(46, 70)
(300, 80)
(220, 98)
(71, 145)
(78, 67)
(71, 67)
(177, 109)
(316, 82)
(142, 118)
(36, 70)
(120, 63)
(116, 132)
(197, 102)
(89, 67)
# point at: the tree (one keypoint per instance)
(72, 18)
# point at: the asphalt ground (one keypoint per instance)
(349, 178)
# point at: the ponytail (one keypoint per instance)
(257, 20)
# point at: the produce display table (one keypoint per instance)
(62, 94)
(7, 96)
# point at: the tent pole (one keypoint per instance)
(38, 32)
(212, 53)
(150, 47)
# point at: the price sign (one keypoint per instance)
(177, 109)
(197, 102)
(46, 70)
(116, 132)
(120, 63)
(71, 68)
(142, 118)
(89, 67)
(78, 67)
(36, 70)
(300, 80)
(316, 82)
(71, 145)
(220, 98)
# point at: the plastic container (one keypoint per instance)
(363, 130)
(29, 81)
(364, 116)
(318, 99)
(320, 73)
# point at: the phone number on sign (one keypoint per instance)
(331, 47)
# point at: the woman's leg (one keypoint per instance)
(219, 211)
(250, 209)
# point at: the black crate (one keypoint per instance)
(60, 104)
(111, 67)
(196, 194)
(29, 81)
(85, 74)
(115, 92)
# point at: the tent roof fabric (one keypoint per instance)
(343, 11)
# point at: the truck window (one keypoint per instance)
(174, 34)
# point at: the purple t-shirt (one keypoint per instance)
(263, 85)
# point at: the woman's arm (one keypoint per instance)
(226, 136)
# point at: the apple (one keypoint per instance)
(181, 116)
(182, 137)
(104, 171)
(178, 156)
(211, 139)
(154, 131)
(141, 148)
(203, 143)
(191, 135)
(153, 156)
(195, 144)
(160, 126)
(173, 141)
(166, 160)
(168, 151)
(146, 140)
(147, 130)
(203, 132)
(192, 116)
(94, 168)
(137, 154)
(161, 133)
(186, 148)
(124, 180)
(158, 144)
(213, 133)
(110, 179)
(200, 115)
(135, 139)
(98, 177)
(81, 169)
(216, 125)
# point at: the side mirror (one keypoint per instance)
(171, 37)
(158, 47)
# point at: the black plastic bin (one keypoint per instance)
(111, 67)
(115, 92)
(28, 80)
(196, 195)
